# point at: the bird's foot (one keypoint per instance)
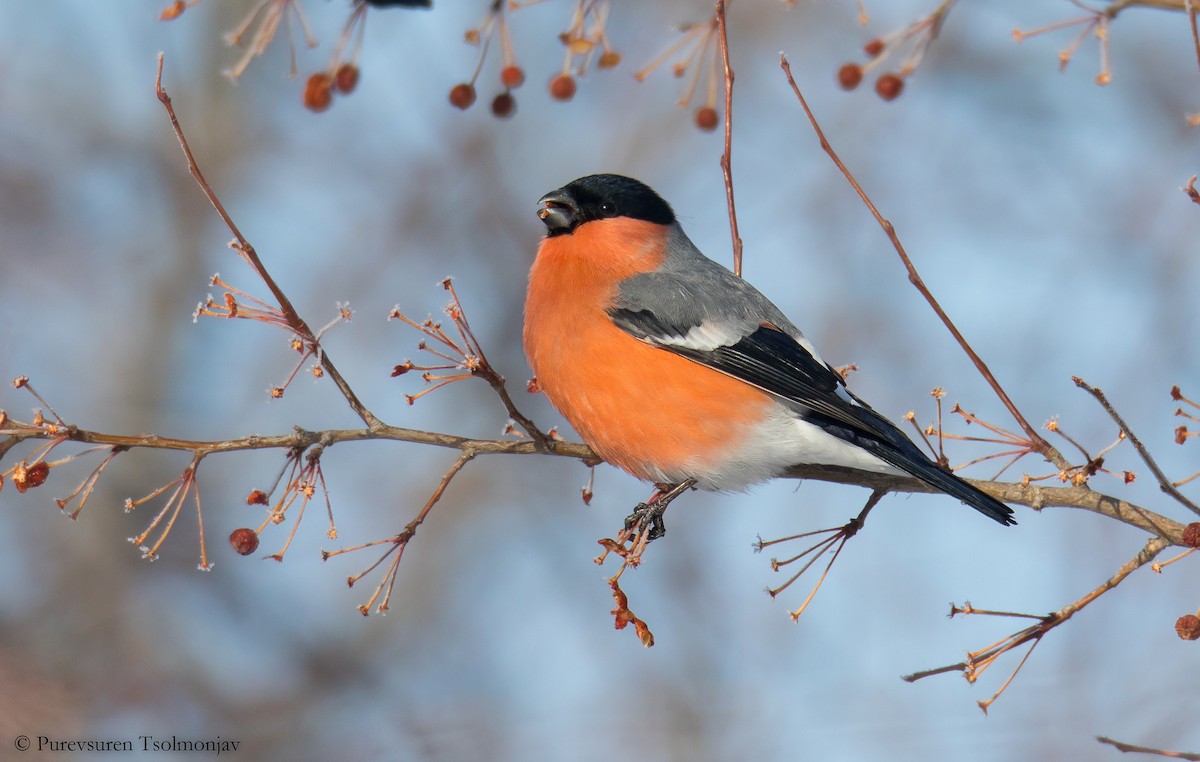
(648, 516)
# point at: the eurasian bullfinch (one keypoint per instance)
(672, 368)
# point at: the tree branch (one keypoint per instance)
(294, 321)
(1039, 443)
(1163, 482)
(726, 157)
(1128, 747)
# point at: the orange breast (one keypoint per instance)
(655, 414)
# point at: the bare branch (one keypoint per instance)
(1040, 444)
(1032, 495)
(1190, 7)
(726, 157)
(1128, 747)
(978, 661)
(251, 256)
(400, 541)
(1114, 8)
(1163, 482)
(301, 438)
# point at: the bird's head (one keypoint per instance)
(598, 197)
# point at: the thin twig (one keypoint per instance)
(1190, 8)
(400, 542)
(1128, 747)
(985, 657)
(841, 538)
(1039, 443)
(726, 167)
(1163, 482)
(247, 251)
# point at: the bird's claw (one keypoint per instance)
(650, 516)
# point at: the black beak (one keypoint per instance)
(558, 211)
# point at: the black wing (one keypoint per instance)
(775, 362)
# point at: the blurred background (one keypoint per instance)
(1044, 211)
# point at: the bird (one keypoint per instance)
(677, 371)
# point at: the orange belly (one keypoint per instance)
(653, 413)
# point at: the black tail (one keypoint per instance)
(903, 454)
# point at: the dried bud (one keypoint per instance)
(579, 46)
(874, 48)
(1176, 393)
(318, 92)
(172, 11)
(256, 497)
(504, 106)
(1188, 627)
(346, 77)
(244, 541)
(532, 386)
(609, 59)
(643, 632)
(512, 76)
(462, 95)
(889, 86)
(562, 87)
(1191, 535)
(1181, 434)
(402, 368)
(27, 477)
(849, 76)
(707, 118)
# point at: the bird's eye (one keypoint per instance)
(607, 208)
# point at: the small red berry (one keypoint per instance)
(562, 87)
(244, 541)
(27, 477)
(849, 76)
(462, 95)
(889, 86)
(346, 77)
(504, 106)
(512, 76)
(707, 118)
(318, 92)
(1191, 535)
(873, 48)
(1188, 627)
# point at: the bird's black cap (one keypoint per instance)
(598, 197)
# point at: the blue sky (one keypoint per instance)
(1044, 211)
